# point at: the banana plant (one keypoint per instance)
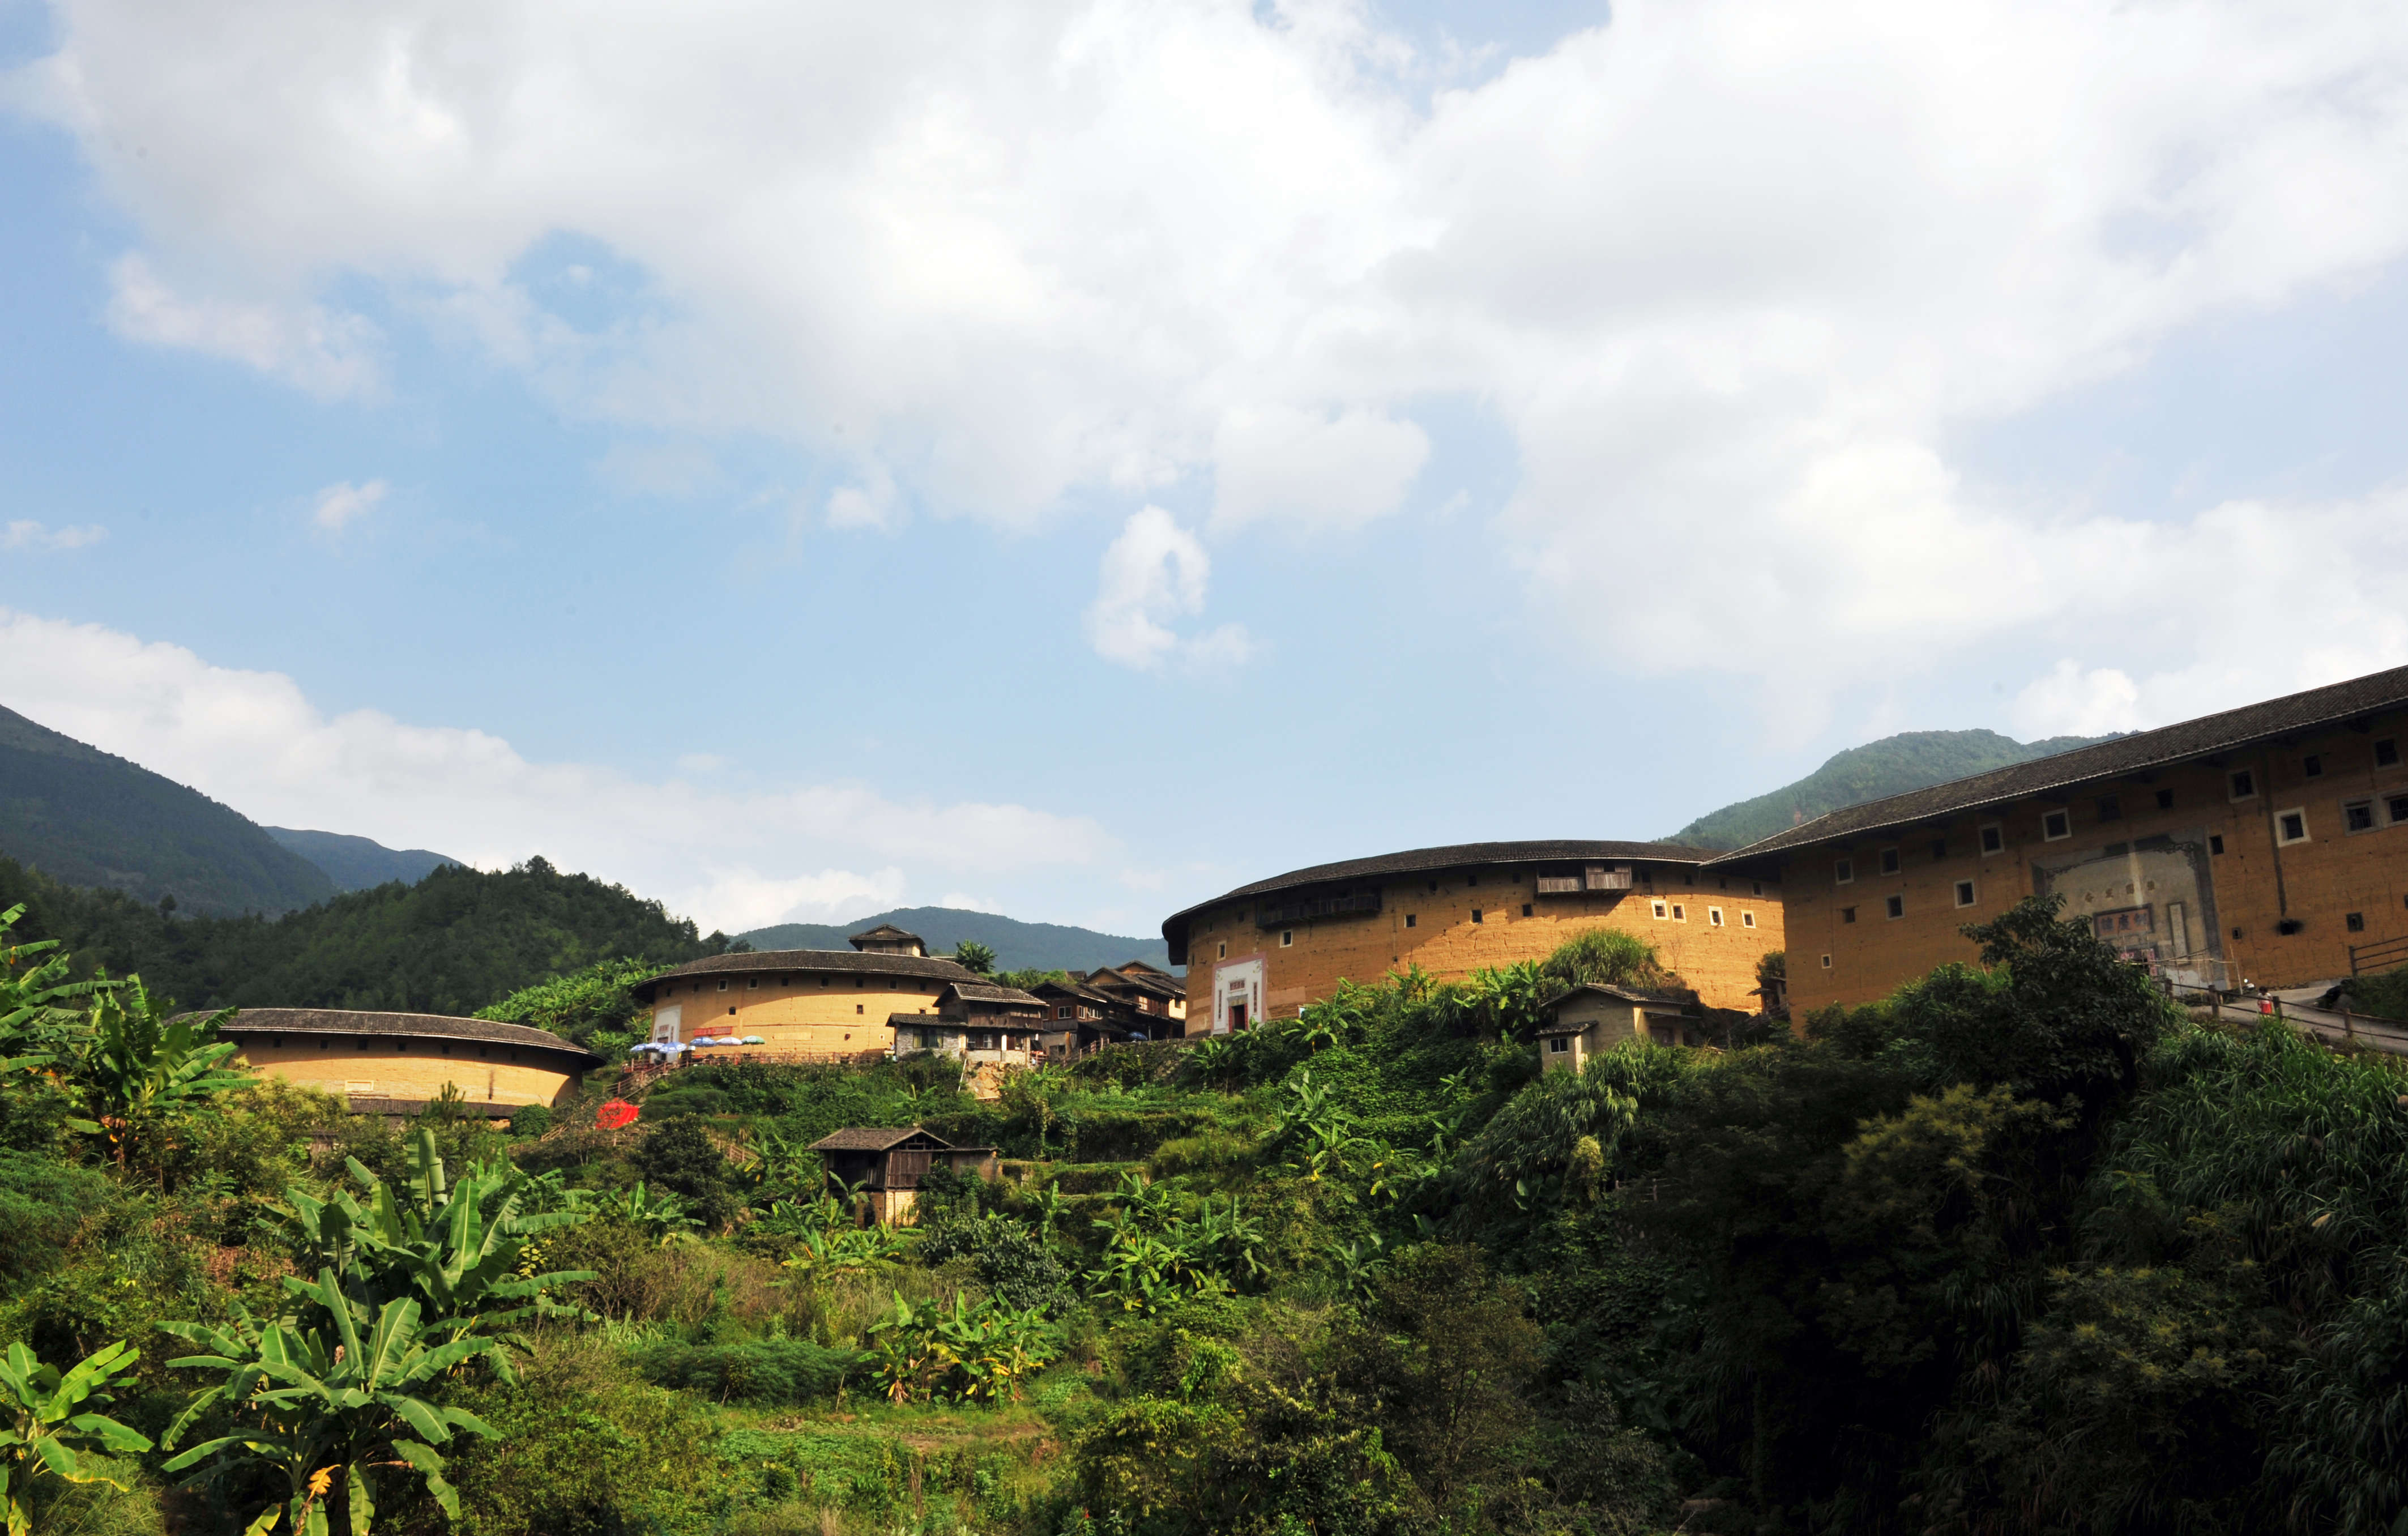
(46, 1428)
(326, 1406)
(139, 1069)
(455, 1247)
(664, 1214)
(41, 1007)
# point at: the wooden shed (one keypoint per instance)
(886, 1164)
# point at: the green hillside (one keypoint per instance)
(355, 864)
(455, 941)
(1891, 766)
(87, 818)
(1017, 945)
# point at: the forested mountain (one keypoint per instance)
(355, 864)
(458, 939)
(1891, 766)
(87, 818)
(1017, 945)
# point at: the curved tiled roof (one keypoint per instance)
(1459, 855)
(811, 960)
(2165, 747)
(346, 1021)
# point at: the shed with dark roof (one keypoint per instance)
(388, 1063)
(2266, 844)
(883, 1165)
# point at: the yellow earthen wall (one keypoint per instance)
(418, 1072)
(2322, 880)
(1719, 962)
(831, 1011)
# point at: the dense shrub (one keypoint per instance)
(43, 1203)
(679, 1157)
(785, 1373)
(1012, 1262)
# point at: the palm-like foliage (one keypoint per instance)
(411, 1284)
(972, 1353)
(41, 1008)
(138, 1069)
(323, 1404)
(45, 1425)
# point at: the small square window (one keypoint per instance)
(1964, 893)
(752, 984)
(1713, 917)
(1897, 906)
(1756, 887)
(2386, 754)
(1994, 839)
(1939, 848)
(2215, 842)
(1412, 920)
(2056, 826)
(2395, 806)
(1476, 915)
(1843, 872)
(856, 1007)
(1287, 938)
(2357, 816)
(1471, 880)
(1826, 962)
(722, 987)
(1526, 908)
(1557, 1045)
(1848, 914)
(2165, 799)
(2241, 784)
(2312, 766)
(2291, 827)
(1680, 912)
(1889, 861)
(2110, 808)
(1747, 920)
(2354, 922)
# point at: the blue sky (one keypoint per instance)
(796, 465)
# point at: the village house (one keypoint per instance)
(1267, 949)
(1592, 1019)
(988, 1027)
(803, 1003)
(2264, 845)
(884, 1165)
(395, 1064)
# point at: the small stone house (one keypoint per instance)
(1592, 1019)
(885, 1165)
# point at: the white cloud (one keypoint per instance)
(1309, 468)
(328, 355)
(965, 901)
(342, 504)
(39, 538)
(1153, 573)
(1731, 273)
(732, 860)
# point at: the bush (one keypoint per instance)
(43, 1201)
(781, 1373)
(1010, 1261)
(679, 1157)
(530, 1120)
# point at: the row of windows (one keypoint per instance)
(1966, 893)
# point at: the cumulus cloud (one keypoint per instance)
(730, 859)
(1153, 573)
(329, 354)
(39, 538)
(1731, 274)
(342, 504)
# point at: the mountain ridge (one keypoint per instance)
(1891, 766)
(1017, 945)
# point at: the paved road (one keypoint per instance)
(2379, 1034)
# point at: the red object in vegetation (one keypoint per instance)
(615, 1114)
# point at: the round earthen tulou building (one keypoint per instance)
(396, 1063)
(1267, 949)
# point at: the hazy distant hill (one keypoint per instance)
(1891, 766)
(87, 818)
(1017, 945)
(358, 864)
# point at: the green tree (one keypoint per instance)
(138, 1070)
(679, 1157)
(45, 1425)
(972, 955)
